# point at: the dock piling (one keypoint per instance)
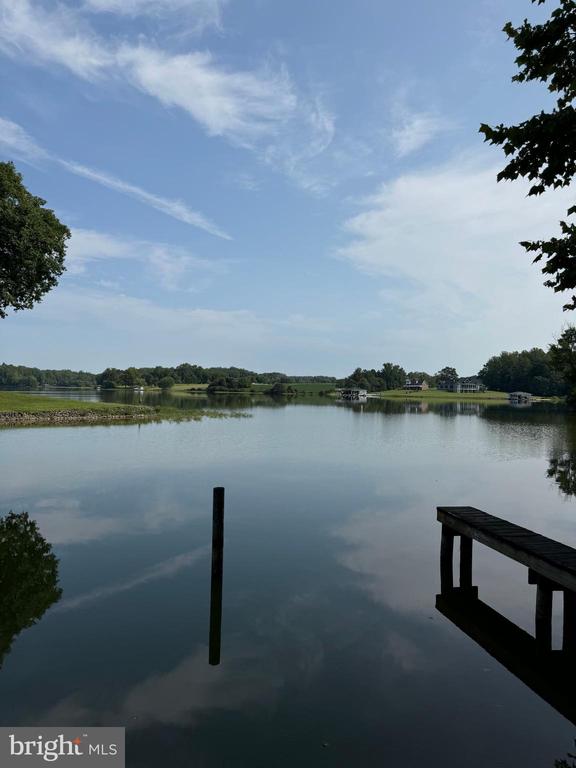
(447, 559)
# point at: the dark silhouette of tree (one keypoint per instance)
(28, 577)
(32, 244)
(543, 148)
(563, 357)
(447, 374)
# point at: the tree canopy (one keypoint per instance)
(542, 149)
(447, 374)
(563, 358)
(532, 370)
(390, 376)
(32, 244)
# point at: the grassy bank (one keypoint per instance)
(18, 402)
(440, 395)
(17, 409)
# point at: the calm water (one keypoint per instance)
(333, 653)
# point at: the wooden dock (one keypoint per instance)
(551, 564)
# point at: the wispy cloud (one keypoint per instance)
(15, 140)
(200, 13)
(413, 129)
(259, 109)
(174, 208)
(312, 133)
(173, 265)
(238, 105)
(444, 243)
(58, 36)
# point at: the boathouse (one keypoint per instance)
(351, 393)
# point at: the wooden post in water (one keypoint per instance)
(446, 560)
(465, 562)
(544, 616)
(217, 575)
(569, 623)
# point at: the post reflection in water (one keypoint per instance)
(215, 638)
(28, 577)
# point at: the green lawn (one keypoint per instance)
(14, 405)
(179, 388)
(313, 389)
(438, 394)
(302, 389)
(16, 402)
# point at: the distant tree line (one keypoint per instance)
(390, 376)
(231, 378)
(31, 378)
(543, 373)
(532, 370)
(217, 378)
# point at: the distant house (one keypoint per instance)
(465, 384)
(415, 385)
(351, 393)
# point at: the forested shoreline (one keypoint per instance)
(543, 373)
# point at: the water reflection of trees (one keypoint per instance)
(562, 458)
(562, 469)
(28, 577)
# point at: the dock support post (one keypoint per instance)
(446, 560)
(544, 616)
(465, 562)
(569, 622)
(217, 574)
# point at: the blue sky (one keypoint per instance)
(294, 186)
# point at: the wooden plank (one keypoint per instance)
(549, 558)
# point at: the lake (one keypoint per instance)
(332, 651)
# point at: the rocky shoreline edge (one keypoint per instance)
(75, 416)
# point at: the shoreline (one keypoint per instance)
(75, 416)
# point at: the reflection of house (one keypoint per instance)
(464, 384)
(351, 393)
(415, 385)
(415, 407)
(520, 398)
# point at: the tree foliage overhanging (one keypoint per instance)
(542, 149)
(32, 244)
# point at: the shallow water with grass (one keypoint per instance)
(332, 650)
